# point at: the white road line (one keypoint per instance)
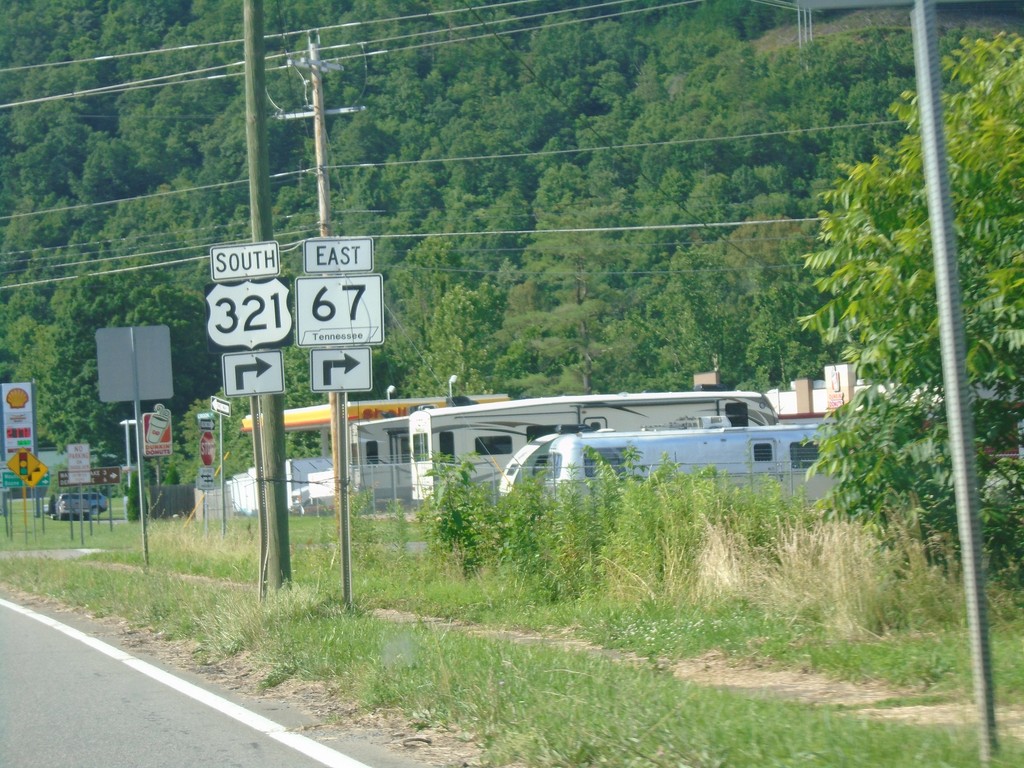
(307, 746)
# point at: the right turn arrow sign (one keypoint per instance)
(253, 373)
(341, 370)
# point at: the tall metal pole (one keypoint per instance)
(954, 366)
(223, 499)
(339, 410)
(268, 409)
(138, 451)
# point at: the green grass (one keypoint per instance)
(22, 530)
(533, 704)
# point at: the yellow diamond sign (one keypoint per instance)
(27, 467)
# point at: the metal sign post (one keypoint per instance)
(957, 391)
(146, 351)
(222, 408)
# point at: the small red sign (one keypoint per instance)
(206, 448)
(156, 432)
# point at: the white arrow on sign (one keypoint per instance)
(248, 315)
(341, 370)
(223, 407)
(339, 311)
(253, 373)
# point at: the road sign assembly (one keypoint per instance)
(221, 406)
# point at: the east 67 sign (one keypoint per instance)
(249, 315)
(340, 311)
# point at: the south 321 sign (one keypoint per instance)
(248, 315)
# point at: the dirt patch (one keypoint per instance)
(715, 669)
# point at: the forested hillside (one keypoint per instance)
(564, 196)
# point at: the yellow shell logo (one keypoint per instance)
(17, 398)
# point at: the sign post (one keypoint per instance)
(339, 311)
(204, 476)
(247, 310)
(79, 462)
(957, 390)
(222, 409)
(19, 427)
(146, 352)
(30, 471)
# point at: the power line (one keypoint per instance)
(139, 198)
(221, 71)
(192, 47)
(600, 230)
(116, 56)
(466, 158)
(452, 30)
(616, 147)
(420, 235)
(489, 34)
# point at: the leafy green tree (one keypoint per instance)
(888, 449)
(443, 326)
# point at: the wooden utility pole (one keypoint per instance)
(267, 410)
(338, 403)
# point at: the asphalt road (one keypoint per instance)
(69, 698)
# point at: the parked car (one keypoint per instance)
(70, 506)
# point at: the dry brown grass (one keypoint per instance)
(838, 574)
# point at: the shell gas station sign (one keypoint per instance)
(21, 468)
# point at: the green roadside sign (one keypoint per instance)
(12, 480)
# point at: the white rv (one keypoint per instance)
(381, 459)
(745, 454)
(489, 434)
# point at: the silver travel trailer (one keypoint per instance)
(745, 455)
(488, 435)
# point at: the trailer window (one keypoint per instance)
(420, 449)
(737, 414)
(492, 445)
(592, 456)
(763, 452)
(446, 443)
(556, 461)
(539, 465)
(398, 447)
(372, 453)
(539, 430)
(803, 455)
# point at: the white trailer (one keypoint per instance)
(746, 455)
(380, 459)
(309, 484)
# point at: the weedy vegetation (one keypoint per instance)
(657, 570)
